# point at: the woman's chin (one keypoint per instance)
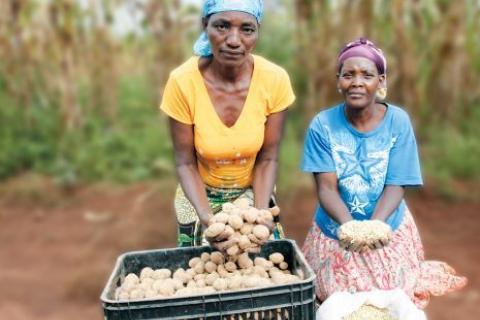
(357, 103)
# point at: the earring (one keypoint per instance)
(339, 90)
(381, 93)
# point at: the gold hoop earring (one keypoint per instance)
(381, 93)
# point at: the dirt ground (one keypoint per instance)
(58, 246)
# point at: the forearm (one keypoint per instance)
(264, 181)
(194, 190)
(388, 202)
(333, 204)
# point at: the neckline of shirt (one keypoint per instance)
(246, 103)
(369, 133)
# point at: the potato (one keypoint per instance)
(205, 256)
(146, 283)
(157, 284)
(244, 242)
(199, 268)
(283, 265)
(129, 286)
(244, 261)
(275, 211)
(146, 272)
(237, 212)
(250, 281)
(235, 282)
(166, 289)
(261, 232)
(242, 203)
(228, 207)
(191, 284)
(233, 250)
(276, 258)
(250, 215)
(246, 229)
(247, 271)
(176, 283)
(214, 230)
(260, 271)
(220, 284)
(201, 283)
(184, 292)
(222, 271)
(149, 294)
(191, 273)
(210, 267)
(217, 257)
(265, 215)
(210, 279)
(230, 266)
(137, 294)
(131, 278)
(201, 276)
(222, 217)
(161, 274)
(254, 239)
(228, 232)
(235, 222)
(193, 262)
(267, 264)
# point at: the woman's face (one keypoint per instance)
(359, 81)
(232, 35)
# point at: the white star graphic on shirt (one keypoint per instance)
(357, 206)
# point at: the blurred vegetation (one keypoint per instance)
(79, 101)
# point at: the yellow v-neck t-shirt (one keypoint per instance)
(226, 155)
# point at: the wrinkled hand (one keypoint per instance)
(222, 246)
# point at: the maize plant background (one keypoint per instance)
(78, 99)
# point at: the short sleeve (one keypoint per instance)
(283, 95)
(404, 164)
(174, 102)
(317, 154)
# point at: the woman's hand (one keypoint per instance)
(362, 236)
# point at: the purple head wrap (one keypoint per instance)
(366, 49)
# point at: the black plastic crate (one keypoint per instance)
(290, 301)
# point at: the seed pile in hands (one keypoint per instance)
(209, 273)
(365, 231)
(369, 312)
(240, 228)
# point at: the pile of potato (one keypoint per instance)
(209, 273)
(369, 312)
(240, 226)
(365, 231)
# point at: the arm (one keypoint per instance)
(266, 164)
(329, 198)
(187, 169)
(388, 202)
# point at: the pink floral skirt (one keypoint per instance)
(399, 265)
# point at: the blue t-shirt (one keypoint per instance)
(364, 162)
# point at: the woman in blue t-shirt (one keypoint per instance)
(363, 154)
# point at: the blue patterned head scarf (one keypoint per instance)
(254, 7)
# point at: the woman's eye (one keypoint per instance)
(221, 27)
(346, 76)
(248, 30)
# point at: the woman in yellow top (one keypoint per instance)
(227, 109)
